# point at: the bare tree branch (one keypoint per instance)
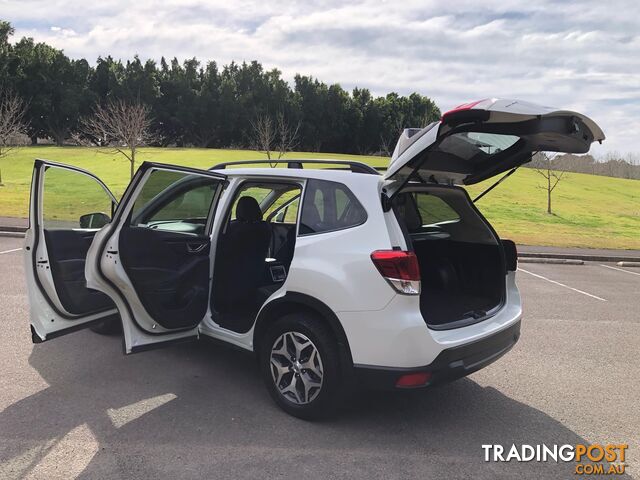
(552, 177)
(557, 178)
(264, 135)
(271, 137)
(121, 126)
(12, 124)
(287, 135)
(385, 146)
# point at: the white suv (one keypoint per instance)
(333, 277)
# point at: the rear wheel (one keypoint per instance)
(300, 366)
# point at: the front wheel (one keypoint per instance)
(300, 366)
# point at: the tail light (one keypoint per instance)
(400, 269)
(510, 255)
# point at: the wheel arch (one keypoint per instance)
(296, 302)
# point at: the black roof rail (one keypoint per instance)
(355, 167)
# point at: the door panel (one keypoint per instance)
(170, 274)
(67, 257)
(155, 256)
(56, 246)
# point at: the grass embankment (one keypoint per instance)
(589, 211)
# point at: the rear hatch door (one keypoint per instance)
(478, 140)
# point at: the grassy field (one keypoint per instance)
(589, 211)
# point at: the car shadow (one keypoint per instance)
(200, 411)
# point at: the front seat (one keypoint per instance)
(240, 260)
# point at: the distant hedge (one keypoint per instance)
(202, 104)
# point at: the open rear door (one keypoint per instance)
(478, 140)
(154, 258)
(68, 206)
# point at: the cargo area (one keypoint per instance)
(462, 267)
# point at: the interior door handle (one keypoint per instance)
(195, 247)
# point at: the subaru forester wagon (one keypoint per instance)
(332, 277)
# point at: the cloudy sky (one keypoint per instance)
(582, 55)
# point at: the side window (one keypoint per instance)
(90, 207)
(422, 209)
(174, 201)
(260, 193)
(434, 210)
(329, 206)
(278, 202)
(285, 208)
(289, 213)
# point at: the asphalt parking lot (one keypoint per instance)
(76, 407)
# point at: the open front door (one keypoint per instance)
(68, 206)
(154, 258)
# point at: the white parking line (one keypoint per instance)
(12, 250)
(620, 269)
(561, 284)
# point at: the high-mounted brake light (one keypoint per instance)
(464, 106)
(400, 269)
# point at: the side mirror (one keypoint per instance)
(94, 220)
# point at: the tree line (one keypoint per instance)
(201, 104)
(612, 165)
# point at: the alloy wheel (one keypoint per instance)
(296, 367)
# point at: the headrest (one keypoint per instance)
(248, 210)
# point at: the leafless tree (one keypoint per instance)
(264, 135)
(386, 146)
(12, 124)
(274, 137)
(287, 135)
(551, 176)
(388, 143)
(123, 127)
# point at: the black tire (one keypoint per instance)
(111, 326)
(327, 400)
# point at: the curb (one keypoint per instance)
(7, 233)
(12, 231)
(557, 261)
(11, 228)
(628, 264)
(576, 256)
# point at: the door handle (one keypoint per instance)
(195, 247)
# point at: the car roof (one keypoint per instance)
(343, 176)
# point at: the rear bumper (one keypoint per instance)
(449, 365)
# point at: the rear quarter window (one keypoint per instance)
(442, 213)
(329, 206)
(434, 210)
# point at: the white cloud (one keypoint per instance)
(583, 55)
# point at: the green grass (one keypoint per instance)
(589, 211)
